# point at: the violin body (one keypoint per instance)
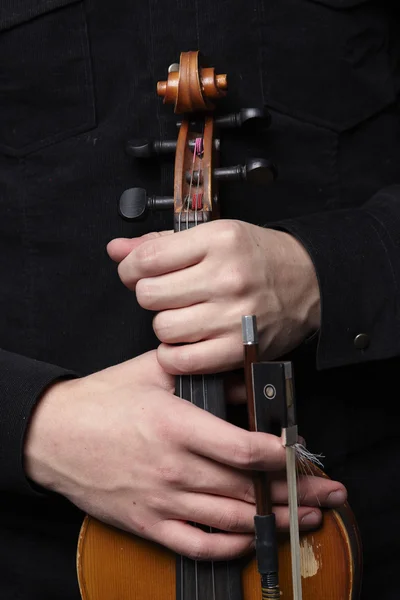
(115, 565)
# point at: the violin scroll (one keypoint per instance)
(191, 87)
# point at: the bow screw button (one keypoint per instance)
(134, 203)
(361, 341)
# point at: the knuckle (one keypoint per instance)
(163, 328)
(157, 503)
(245, 452)
(184, 360)
(145, 294)
(124, 274)
(166, 428)
(230, 521)
(249, 493)
(230, 234)
(148, 253)
(199, 550)
(136, 523)
(171, 474)
(235, 280)
(242, 452)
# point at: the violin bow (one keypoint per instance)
(271, 409)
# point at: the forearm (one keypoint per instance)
(356, 254)
(22, 383)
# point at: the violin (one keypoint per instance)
(115, 565)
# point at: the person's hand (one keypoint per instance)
(124, 449)
(202, 281)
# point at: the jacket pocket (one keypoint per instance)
(46, 88)
(329, 67)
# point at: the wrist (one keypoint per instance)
(45, 434)
(306, 286)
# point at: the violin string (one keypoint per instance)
(187, 206)
(197, 155)
(197, 151)
(205, 400)
(181, 396)
(196, 569)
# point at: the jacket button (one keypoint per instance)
(361, 341)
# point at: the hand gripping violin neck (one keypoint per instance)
(321, 565)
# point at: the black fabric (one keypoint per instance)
(22, 380)
(45, 96)
(77, 81)
(373, 231)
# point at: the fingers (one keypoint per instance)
(197, 544)
(143, 369)
(173, 290)
(162, 254)
(194, 429)
(190, 324)
(204, 476)
(206, 435)
(312, 491)
(119, 248)
(207, 356)
(235, 516)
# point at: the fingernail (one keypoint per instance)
(311, 518)
(336, 498)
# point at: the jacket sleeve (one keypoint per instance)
(356, 254)
(22, 382)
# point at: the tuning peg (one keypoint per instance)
(143, 148)
(134, 203)
(256, 170)
(250, 118)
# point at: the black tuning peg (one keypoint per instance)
(134, 203)
(250, 118)
(147, 148)
(256, 170)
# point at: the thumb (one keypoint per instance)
(148, 369)
(119, 248)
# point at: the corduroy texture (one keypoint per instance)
(78, 79)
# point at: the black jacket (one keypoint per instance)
(77, 80)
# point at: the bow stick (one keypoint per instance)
(271, 409)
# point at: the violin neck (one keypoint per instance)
(221, 579)
(204, 391)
